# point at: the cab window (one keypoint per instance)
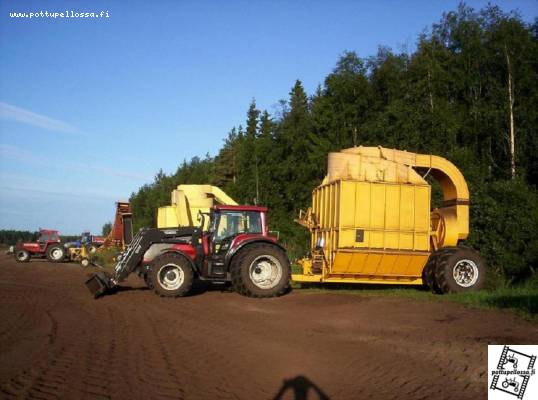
(232, 223)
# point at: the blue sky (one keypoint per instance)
(91, 109)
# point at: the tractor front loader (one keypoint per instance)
(235, 247)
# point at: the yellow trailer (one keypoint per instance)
(371, 222)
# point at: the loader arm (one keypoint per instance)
(131, 259)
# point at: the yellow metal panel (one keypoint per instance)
(422, 208)
(378, 206)
(166, 217)
(363, 202)
(365, 262)
(377, 239)
(407, 207)
(393, 207)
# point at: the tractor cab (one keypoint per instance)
(46, 237)
(229, 228)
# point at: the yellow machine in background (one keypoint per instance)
(187, 201)
(371, 222)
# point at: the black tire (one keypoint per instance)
(243, 262)
(428, 273)
(465, 259)
(165, 269)
(148, 281)
(22, 256)
(56, 253)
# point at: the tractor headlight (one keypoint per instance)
(320, 243)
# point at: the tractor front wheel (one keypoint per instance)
(22, 256)
(56, 253)
(261, 270)
(170, 275)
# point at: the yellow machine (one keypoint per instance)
(371, 222)
(187, 202)
(80, 255)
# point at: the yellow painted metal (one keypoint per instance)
(78, 253)
(371, 218)
(187, 201)
(355, 279)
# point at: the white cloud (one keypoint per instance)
(13, 113)
(26, 192)
(15, 153)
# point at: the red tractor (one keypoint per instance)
(47, 245)
(236, 247)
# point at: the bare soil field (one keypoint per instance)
(57, 342)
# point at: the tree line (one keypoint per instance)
(13, 236)
(467, 92)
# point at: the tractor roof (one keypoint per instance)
(48, 231)
(240, 208)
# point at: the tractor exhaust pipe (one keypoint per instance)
(100, 283)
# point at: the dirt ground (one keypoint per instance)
(57, 342)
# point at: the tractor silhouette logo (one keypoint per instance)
(511, 358)
(511, 382)
(513, 372)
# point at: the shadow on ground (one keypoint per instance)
(301, 388)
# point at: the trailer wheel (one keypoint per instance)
(22, 256)
(56, 253)
(428, 273)
(170, 275)
(460, 269)
(261, 270)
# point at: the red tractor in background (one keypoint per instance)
(235, 247)
(47, 245)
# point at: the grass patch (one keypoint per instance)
(106, 258)
(523, 300)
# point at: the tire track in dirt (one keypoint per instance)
(62, 344)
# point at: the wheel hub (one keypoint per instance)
(465, 273)
(265, 272)
(56, 254)
(170, 276)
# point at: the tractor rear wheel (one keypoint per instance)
(460, 269)
(170, 275)
(22, 256)
(56, 253)
(261, 270)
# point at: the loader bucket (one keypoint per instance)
(99, 284)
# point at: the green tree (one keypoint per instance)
(106, 229)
